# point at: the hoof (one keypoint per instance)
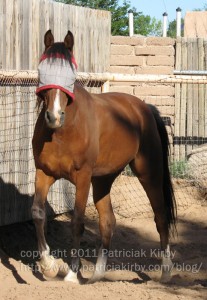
(165, 278)
(63, 270)
(95, 278)
(72, 277)
(49, 267)
(167, 267)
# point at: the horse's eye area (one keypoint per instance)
(43, 95)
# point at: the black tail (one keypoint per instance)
(171, 209)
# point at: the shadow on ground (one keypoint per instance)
(134, 255)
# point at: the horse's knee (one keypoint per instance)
(38, 213)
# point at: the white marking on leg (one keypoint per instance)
(100, 267)
(166, 265)
(45, 252)
(72, 277)
(47, 263)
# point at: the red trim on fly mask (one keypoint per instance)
(53, 86)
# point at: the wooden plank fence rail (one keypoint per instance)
(190, 99)
(23, 24)
(14, 76)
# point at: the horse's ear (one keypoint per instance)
(48, 39)
(69, 41)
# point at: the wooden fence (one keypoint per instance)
(23, 24)
(190, 99)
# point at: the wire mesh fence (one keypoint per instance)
(18, 114)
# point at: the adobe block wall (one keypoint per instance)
(145, 55)
(140, 55)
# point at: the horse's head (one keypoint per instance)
(57, 74)
(55, 102)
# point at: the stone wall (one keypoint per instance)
(145, 55)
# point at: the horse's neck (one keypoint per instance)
(81, 109)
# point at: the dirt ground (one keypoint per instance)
(133, 265)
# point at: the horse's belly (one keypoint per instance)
(115, 158)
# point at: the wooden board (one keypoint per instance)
(190, 99)
(23, 24)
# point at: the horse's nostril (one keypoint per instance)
(50, 117)
(47, 115)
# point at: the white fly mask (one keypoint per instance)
(57, 73)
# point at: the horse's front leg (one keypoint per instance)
(42, 185)
(107, 221)
(77, 224)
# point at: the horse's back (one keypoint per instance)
(115, 104)
(124, 109)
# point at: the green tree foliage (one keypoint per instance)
(143, 25)
(172, 28)
(146, 25)
(172, 25)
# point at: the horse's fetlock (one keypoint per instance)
(78, 228)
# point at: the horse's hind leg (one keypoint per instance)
(150, 175)
(42, 185)
(101, 194)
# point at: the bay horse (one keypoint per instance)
(90, 138)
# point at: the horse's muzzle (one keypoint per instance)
(54, 120)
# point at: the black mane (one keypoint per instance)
(59, 50)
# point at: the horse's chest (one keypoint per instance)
(56, 163)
